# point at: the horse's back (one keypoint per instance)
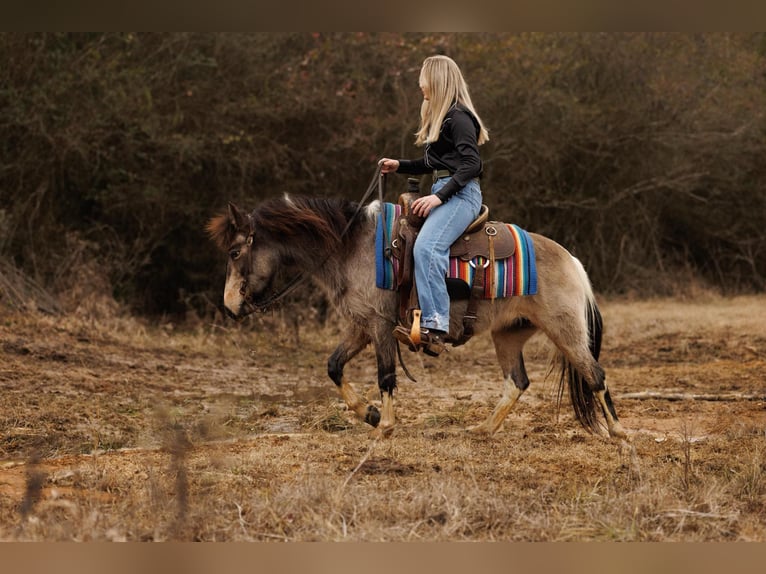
(555, 264)
(561, 284)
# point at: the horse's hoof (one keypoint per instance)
(372, 416)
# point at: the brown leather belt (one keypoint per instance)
(440, 173)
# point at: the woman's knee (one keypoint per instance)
(422, 249)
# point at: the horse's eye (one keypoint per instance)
(234, 254)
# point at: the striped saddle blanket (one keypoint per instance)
(514, 276)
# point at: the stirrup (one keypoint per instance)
(402, 335)
(432, 345)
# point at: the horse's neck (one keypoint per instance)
(334, 269)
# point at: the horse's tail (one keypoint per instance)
(580, 393)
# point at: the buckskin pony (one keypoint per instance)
(333, 241)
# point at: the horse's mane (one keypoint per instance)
(317, 222)
(321, 221)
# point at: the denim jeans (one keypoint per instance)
(443, 226)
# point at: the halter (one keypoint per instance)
(378, 182)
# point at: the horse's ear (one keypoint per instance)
(239, 220)
(219, 229)
(222, 229)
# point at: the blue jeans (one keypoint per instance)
(443, 226)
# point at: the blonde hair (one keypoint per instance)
(446, 87)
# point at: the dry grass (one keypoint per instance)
(112, 430)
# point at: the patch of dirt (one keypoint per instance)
(90, 418)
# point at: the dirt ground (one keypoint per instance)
(113, 430)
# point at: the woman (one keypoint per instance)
(451, 131)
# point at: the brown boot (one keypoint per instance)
(432, 342)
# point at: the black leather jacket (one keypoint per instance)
(456, 150)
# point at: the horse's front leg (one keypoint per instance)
(347, 350)
(385, 351)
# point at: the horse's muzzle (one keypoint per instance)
(231, 315)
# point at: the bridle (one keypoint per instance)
(378, 182)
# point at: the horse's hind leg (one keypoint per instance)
(597, 383)
(600, 390)
(509, 342)
(347, 350)
(581, 365)
(607, 407)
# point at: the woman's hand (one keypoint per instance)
(388, 165)
(422, 206)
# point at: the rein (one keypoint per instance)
(378, 182)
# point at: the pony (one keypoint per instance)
(332, 242)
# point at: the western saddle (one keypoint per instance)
(490, 240)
